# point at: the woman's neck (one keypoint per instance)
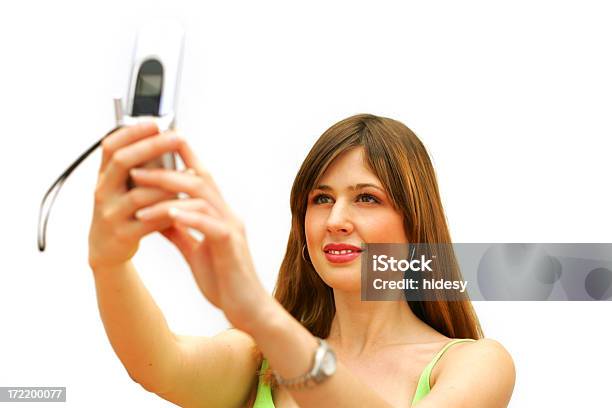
(360, 327)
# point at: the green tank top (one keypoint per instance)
(264, 392)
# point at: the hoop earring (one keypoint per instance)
(304, 256)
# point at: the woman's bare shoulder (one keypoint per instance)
(480, 353)
(485, 349)
(489, 367)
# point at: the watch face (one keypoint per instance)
(328, 365)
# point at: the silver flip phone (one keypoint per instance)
(154, 83)
(152, 96)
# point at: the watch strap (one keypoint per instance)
(313, 376)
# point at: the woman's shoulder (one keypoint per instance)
(486, 360)
(476, 346)
(485, 351)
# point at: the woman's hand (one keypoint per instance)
(114, 233)
(221, 263)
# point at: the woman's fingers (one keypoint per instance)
(161, 210)
(124, 137)
(181, 182)
(159, 219)
(191, 161)
(139, 197)
(136, 230)
(213, 228)
(130, 156)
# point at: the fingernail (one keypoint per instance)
(174, 137)
(190, 171)
(138, 172)
(173, 212)
(144, 214)
(148, 124)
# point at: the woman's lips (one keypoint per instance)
(341, 258)
(341, 253)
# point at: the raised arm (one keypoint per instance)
(135, 326)
(190, 371)
(186, 370)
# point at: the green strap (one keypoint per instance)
(264, 392)
(423, 387)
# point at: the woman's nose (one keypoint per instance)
(339, 220)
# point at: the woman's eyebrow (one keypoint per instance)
(359, 186)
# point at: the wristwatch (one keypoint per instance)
(323, 367)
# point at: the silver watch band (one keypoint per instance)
(314, 375)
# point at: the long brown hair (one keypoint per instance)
(401, 163)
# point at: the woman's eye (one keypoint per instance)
(362, 198)
(367, 198)
(321, 199)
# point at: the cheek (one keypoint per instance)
(313, 223)
(385, 227)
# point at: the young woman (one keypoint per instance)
(367, 179)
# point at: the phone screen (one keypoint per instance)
(147, 94)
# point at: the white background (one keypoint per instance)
(512, 100)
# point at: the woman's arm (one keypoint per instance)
(184, 369)
(135, 325)
(190, 371)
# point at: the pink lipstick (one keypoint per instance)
(341, 253)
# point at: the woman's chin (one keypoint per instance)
(343, 279)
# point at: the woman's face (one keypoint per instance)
(348, 208)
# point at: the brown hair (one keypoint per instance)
(401, 163)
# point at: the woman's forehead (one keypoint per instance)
(349, 168)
